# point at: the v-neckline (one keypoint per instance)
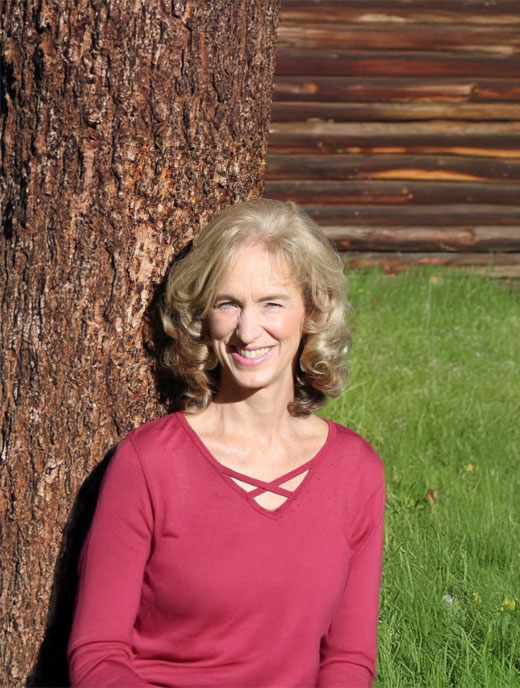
(228, 473)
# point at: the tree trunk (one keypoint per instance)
(125, 125)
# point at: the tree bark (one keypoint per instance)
(125, 125)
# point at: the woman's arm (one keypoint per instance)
(111, 570)
(349, 649)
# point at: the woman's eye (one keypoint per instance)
(225, 305)
(272, 304)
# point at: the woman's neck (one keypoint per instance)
(262, 412)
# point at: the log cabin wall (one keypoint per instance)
(396, 123)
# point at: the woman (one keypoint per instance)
(238, 543)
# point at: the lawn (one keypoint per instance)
(435, 387)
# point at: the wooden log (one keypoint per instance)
(442, 11)
(435, 128)
(498, 40)
(492, 264)
(494, 147)
(459, 215)
(387, 112)
(381, 167)
(373, 89)
(501, 140)
(393, 193)
(428, 239)
(468, 139)
(327, 62)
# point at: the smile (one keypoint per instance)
(252, 357)
(254, 353)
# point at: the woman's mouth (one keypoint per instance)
(248, 357)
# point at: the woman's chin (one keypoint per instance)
(236, 383)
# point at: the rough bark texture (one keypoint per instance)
(124, 126)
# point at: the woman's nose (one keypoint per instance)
(248, 326)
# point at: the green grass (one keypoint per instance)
(435, 387)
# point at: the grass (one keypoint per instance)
(435, 387)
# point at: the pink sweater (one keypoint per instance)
(185, 580)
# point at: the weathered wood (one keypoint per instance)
(492, 264)
(429, 94)
(124, 126)
(435, 128)
(431, 239)
(392, 192)
(383, 89)
(497, 39)
(387, 112)
(405, 167)
(501, 140)
(327, 62)
(440, 11)
(416, 216)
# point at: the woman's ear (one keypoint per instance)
(211, 359)
(303, 327)
(306, 325)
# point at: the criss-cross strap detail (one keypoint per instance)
(261, 486)
(268, 486)
(277, 490)
(267, 497)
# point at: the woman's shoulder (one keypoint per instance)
(355, 451)
(155, 437)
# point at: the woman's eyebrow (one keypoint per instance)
(267, 297)
(226, 297)
(275, 297)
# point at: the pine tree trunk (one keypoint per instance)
(125, 124)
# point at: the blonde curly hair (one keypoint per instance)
(286, 232)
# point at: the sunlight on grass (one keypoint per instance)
(435, 387)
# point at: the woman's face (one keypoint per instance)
(256, 322)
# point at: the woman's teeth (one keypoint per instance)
(254, 353)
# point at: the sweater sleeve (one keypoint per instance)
(111, 571)
(349, 649)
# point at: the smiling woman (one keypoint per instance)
(238, 543)
(257, 321)
(290, 246)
